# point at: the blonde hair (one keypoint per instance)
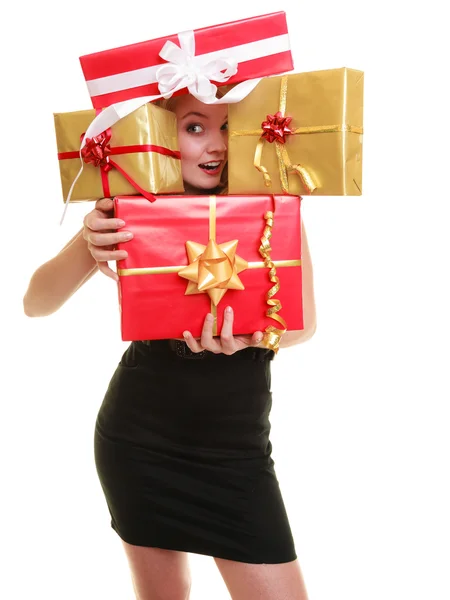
(170, 104)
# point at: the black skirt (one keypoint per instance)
(183, 454)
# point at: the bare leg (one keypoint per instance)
(247, 581)
(158, 574)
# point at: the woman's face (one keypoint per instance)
(203, 140)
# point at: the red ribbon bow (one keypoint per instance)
(97, 151)
(276, 128)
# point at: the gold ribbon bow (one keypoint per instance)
(213, 268)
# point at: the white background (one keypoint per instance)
(360, 414)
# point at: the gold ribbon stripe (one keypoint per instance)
(306, 130)
(212, 218)
(212, 236)
(175, 269)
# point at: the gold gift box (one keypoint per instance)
(326, 144)
(153, 171)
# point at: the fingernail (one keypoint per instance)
(120, 223)
(186, 335)
(259, 339)
(127, 236)
(228, 310)
(210, 317)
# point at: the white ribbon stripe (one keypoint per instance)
(147, 75)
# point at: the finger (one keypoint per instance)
(97, 221)
(104, 268)
(104, 208)
(108, 238)
(257, 338)
(191, 342)
(105, 204)
(206, 339)
(250, 340)
(102, 255)
(226, 335)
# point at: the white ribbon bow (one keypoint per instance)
(185, 70)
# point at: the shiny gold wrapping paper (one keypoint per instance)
(154, 172)
(326, 98)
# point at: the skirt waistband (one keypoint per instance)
(182, 350)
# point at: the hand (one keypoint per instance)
(226, 343)
(100, 233)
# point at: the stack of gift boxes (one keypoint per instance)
(290, 135)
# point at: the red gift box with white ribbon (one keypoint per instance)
(228, 53)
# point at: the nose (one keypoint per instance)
(217, 142)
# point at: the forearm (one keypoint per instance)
(54, 282)
(291, 338)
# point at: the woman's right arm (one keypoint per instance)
(54, 282)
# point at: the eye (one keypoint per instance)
(224, 126)
(194, 128)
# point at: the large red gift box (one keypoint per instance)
(152, 289)
(259, 44)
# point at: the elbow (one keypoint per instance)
(293, 338)
(313, 327)
(28, 309)
(31, 310)
(311, 331)
(308, 333)
(310, 325)
(29, 306)
(310, 328)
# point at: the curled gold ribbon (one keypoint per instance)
(285, 165)
(257, 162)
(272, 336)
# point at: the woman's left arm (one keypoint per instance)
(291, 338)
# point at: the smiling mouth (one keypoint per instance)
(212, 167)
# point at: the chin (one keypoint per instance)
(201, 186)
(211, 186)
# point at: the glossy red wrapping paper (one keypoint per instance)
(154, 306)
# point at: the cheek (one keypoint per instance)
(188, 146)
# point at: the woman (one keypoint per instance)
(182, 443)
